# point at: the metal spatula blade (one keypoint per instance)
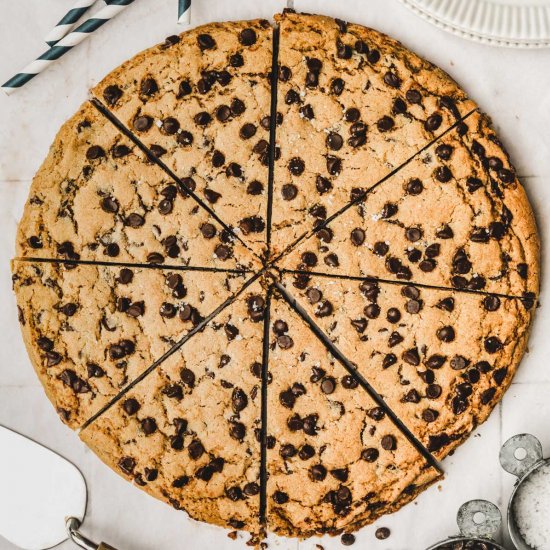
(39, 491)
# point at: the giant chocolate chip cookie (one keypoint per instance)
(271, 273)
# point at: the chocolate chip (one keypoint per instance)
(433, 391)
(206, 42)
(252, 224)
(443, 174)
(372, 311)
(314, 295)
(343, 51)
(149, 426)
(247, 37)
(202, 119)
(222, 252)
(348, 539)
(324, 309)
(414, 186)
(337, 86)
(393, 315)
(444, 151)
(412, 396)
(155, 258)
(309, 259)
(376, 413)
(413, 234)
(394, 339)
(296, 166)
(349, 382)
(280, 497)
(285, 341)
(413, 96)
(411, 292)
(352, 114)
(280, 327)
(318, 472)
(143, 123)
(382, 533)
(149, 86)
(236, 60)
(306, 452)
(446, 334)
(433, 122)
(255, 188)
(170, 126)
(492, 344)
(487, 396)
(112, 250)
(380, 248)
(332, 260)
(334, 165)
(127, 464)
(390, 358)
(247, 131)
(523, 270)
(112, 94)
(388, 443)
(334, 141)
(385, 124)
(411, 357)
(287, 399)
(131, 406)
(445, 232)
(358, 236)
(391, 79)
(435, 361)
(289, 192)
(429, 415)
(459, 362)
(328, 385)
(373, 56)
(370, 455)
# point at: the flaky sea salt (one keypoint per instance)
(532, 509)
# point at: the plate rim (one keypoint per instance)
(432, 18)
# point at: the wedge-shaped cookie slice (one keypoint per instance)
(188, 433)
(97, 197)
(201, 103)
(441, 359)
(354, 105)
(456, 216)
(335, 461)
(90, 330)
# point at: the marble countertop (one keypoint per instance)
(513, 86)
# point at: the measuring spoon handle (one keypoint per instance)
(518, 465)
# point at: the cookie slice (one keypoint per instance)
(441, 359)
(188, 433)
(456, 216)
(354, 105)
(90, 330)
(201, 103)
(97, 197)
(335, 461)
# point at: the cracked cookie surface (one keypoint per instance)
(440, 359)
(354, 105)
(335, 461)
(456, 216)
(189, 432)
(201, 103)
(98, 198)
(91, 330)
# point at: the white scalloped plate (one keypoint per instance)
(511, 23)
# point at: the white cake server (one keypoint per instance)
(42, 496)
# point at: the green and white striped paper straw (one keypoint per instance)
(68, 20)
(184, 12)
(65, 45)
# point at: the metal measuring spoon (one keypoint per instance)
(522, 469)
(478, 521)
